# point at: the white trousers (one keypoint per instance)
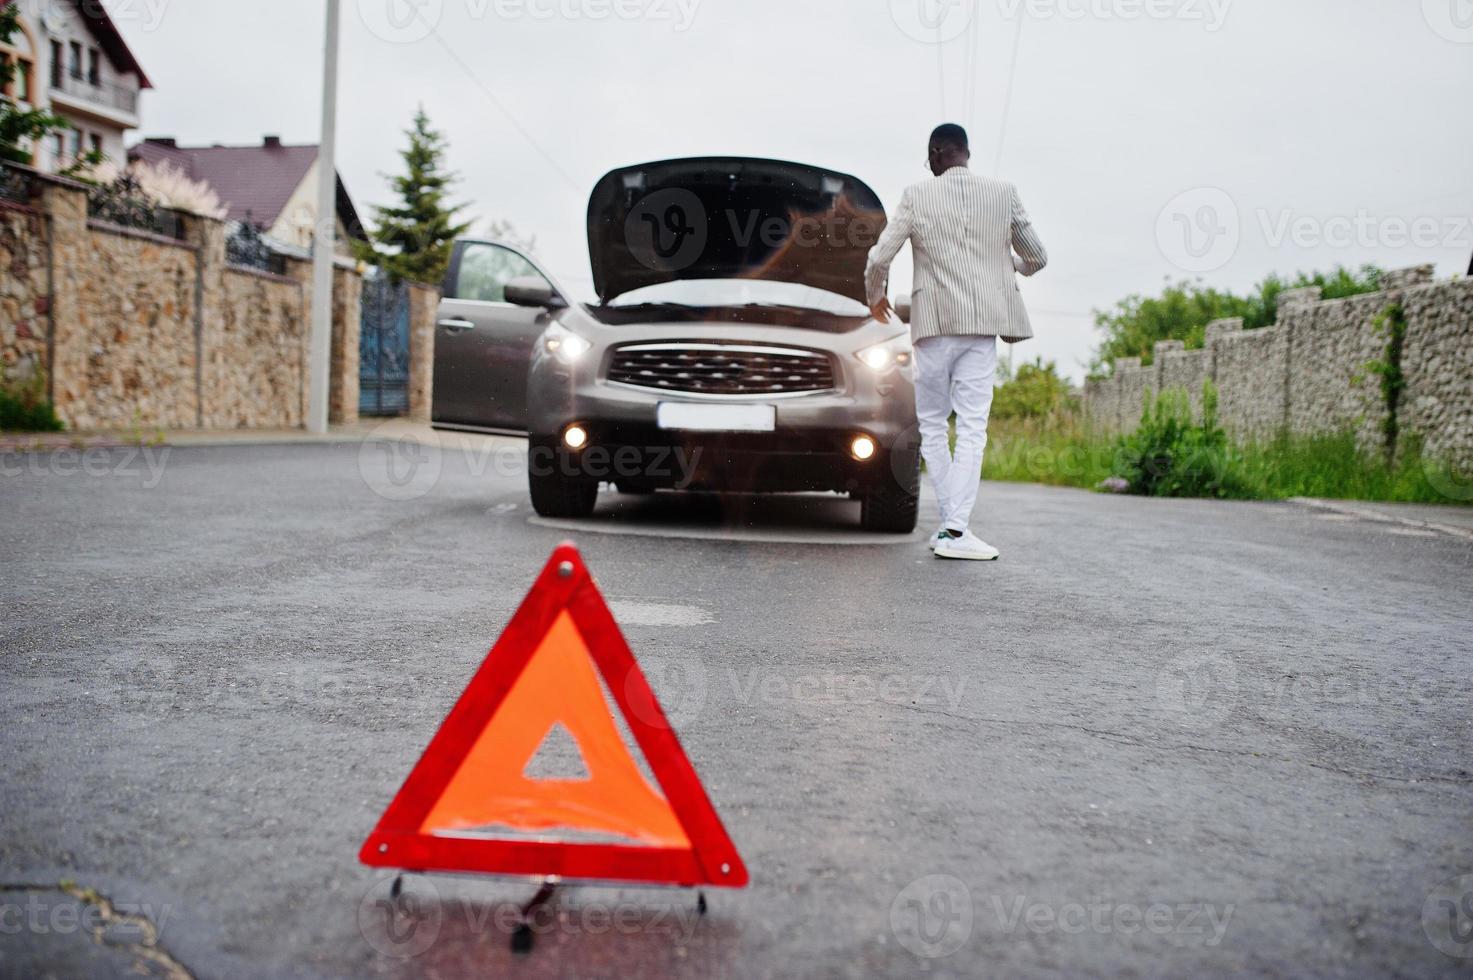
(955, 374)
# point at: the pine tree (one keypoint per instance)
(414, 239)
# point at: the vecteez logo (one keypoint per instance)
(1211, 14)
(933, 21)
(1447, 917)
(401, 21)
(400, 923)
(1198, 690)
(399, 462)
(1200, 230)
(1451, 19)
(932, 916)
(666, 231)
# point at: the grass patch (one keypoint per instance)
(1335, 466)
(24, 408)
(1170, 455)
(1062, 451)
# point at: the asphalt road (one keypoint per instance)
(1159, 738)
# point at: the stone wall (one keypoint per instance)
(1308, 373)
(1330, 344)
(137, 330)
(1437, 363)
(255, 360)
(1251, 371)
(24, 296)
(134, 341)
(1177, 367)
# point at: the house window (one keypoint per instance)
(74, 65)
(96, 142)
(19, 56)
(57, 64)
(74, 137)
(94, 67)
(58, 147)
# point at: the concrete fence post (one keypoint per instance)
(347, 322)
(1158, 366)
(1129, 395)
(207, 236)
(424, 308)
(65, 206)
(1397, 280)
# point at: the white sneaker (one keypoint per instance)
(968, 547)
(939, 537)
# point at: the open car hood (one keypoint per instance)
(731, 218)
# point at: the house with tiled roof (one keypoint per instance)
(71, 58)
(271, 185)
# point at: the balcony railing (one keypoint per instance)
(103, 93)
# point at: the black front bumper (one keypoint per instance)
(638, 456)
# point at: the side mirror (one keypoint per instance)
(533, 291)
(902, 309)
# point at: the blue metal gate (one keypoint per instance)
(383, 347)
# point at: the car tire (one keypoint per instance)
(892, 506)
(554, 493)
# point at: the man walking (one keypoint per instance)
(969, 236)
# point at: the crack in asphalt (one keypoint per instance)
(147, 948)
(1121, 738)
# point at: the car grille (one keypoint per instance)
(722, 369)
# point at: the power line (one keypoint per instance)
(1047, 312)
(974, 42)
(940, 73)
(1007, 104)
(486, 90)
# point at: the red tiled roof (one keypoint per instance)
(110, 38)
(254, 182)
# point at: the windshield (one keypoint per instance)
(739, 292)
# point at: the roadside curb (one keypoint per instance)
(1369, 513)
(32, 443)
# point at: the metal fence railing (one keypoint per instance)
(15, 185)
(124, 203)
(245, 247)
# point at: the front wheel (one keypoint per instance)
(554, 493)
(892, 506)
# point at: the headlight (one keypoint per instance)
(564, 343)
(884, 358)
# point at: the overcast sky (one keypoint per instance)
(1149, 138)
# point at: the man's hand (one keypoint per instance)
(881, 309)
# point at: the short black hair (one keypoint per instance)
(951, 136)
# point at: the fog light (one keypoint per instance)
(862, 448)
(575, 437)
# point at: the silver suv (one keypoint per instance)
(730, 347)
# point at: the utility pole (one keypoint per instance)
(324, 240)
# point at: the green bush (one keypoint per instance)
(1036, 391)
(24, 408)
(1184, 309)
(1169, 455)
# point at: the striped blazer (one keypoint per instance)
(963, 230)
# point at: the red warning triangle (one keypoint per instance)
(470, 805)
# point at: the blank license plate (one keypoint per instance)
(716, 418)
